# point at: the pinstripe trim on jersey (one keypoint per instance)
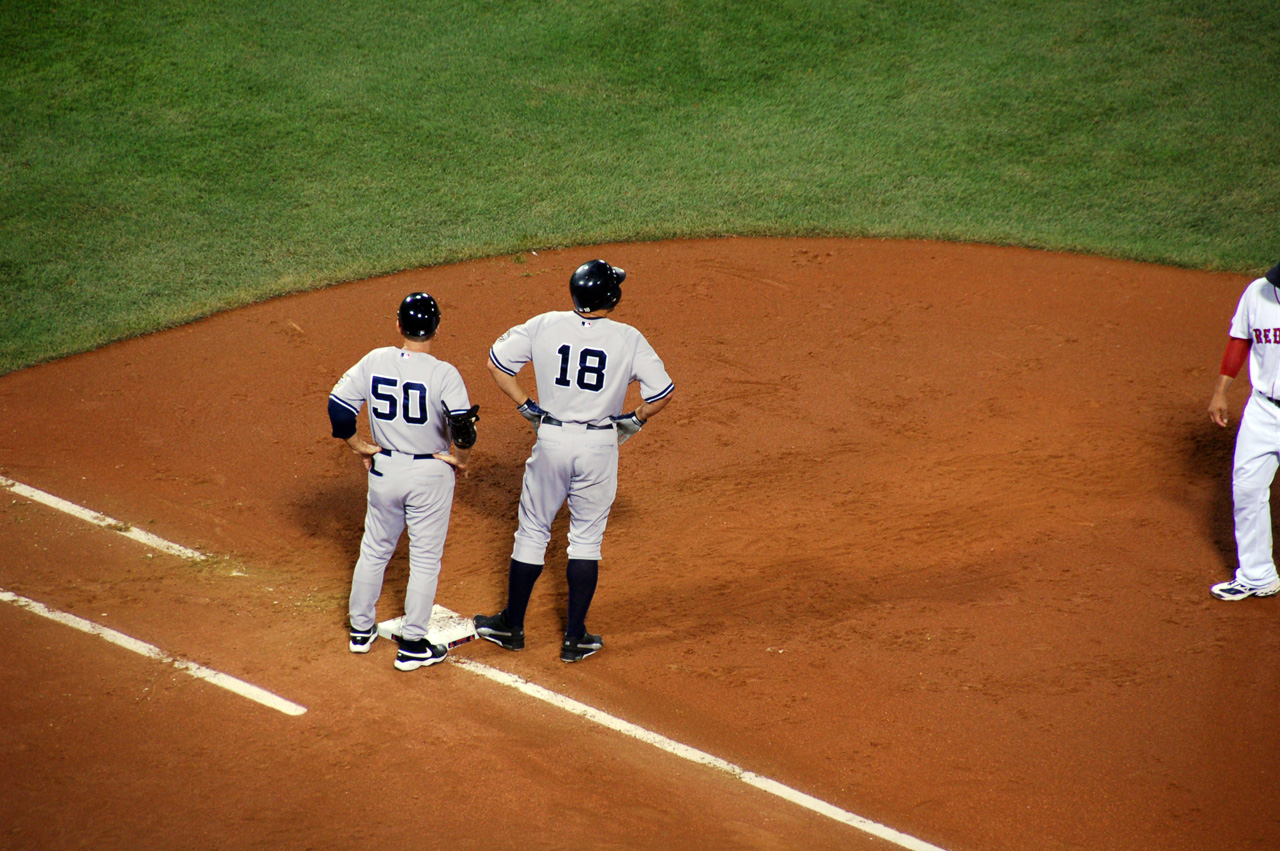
(494, 359)
(664, 394)
(352, 408)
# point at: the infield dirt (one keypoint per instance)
(927, 532)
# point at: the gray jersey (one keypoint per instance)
(583, 366)
(409, 394)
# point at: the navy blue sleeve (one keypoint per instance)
(342, 418)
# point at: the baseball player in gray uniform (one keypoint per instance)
(1254, 336)
(583, 362)
(418, 406)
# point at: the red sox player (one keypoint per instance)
(1255, 336)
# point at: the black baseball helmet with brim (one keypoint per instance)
(596, 285)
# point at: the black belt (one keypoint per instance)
(1275, 402)
(415, 457)
(547, 419)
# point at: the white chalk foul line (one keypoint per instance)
(604, 719)
(99, 519)
(694, 755)
(226, 681)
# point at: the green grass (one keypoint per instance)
(161, 161)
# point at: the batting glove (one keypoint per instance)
(627, 425)
(532, 412)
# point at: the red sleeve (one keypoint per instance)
(1233, 358)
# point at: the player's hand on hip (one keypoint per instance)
(532, 412)
(453, 461)
(365, 450)
(627, 425)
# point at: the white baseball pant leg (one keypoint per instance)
(403, 492)
(1257, 457)
(568, 462)
(427, 510)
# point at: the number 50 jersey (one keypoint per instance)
(408, 394)
(583, 366)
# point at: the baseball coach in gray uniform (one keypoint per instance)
(418, 408)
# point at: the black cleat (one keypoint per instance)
(362, 639)
(575, 650)
(418, 654)
(494, 628)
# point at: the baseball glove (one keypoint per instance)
(462, 427)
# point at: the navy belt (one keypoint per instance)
(1275, 402)
(415, 457)
(547, 419)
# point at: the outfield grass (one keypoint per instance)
(164, 160)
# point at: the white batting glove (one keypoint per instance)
(627, 425)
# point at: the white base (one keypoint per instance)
(446, 627)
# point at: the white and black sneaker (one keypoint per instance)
(362, 640)
(494, 628)
(1236, 590)
(419, 654)
(577, 649)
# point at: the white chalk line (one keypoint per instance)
(100, 520)
(522, 685)
(200, 672)
(694, 755)
(225, 681)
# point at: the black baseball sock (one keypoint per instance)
(519, 586)
(583, 575)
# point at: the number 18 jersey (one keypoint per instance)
(583, 366)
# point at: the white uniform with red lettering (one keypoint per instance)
(583, 367)
(1257, 454)
(409, 396)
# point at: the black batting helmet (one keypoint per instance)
(419, 316)
(596, 285)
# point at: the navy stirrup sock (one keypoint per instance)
(519, 587)
(582, 575)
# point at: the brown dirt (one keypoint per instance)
(927, 532)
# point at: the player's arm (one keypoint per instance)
(342, 419)
(508, 383)
(629, 424)
(656, 388)
(1232, 360)
(655, 385)
(462, 434)
(364, 449)
(507, 356)
(646, 410)
(456, 458)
